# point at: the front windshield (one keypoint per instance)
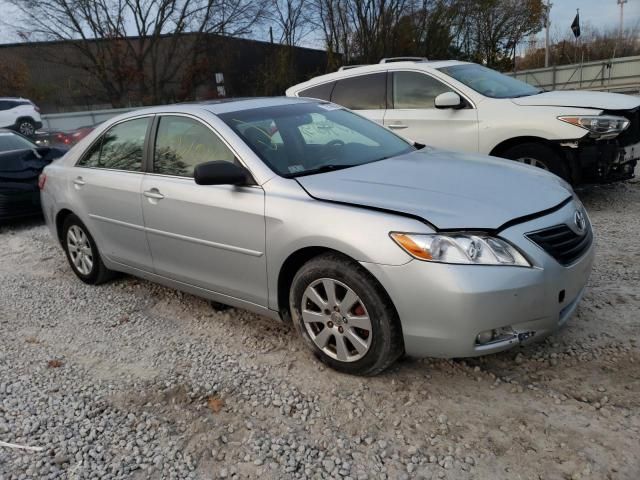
(305, 138)
(13, 141)
(489, 82)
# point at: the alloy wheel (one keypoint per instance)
(80, 249)
(26, 129)
(336, 320)
(534, 162)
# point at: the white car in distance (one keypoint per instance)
(582, 136)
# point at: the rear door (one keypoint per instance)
(412, 113)
(366, 94)
(106, 184)
(210, 236)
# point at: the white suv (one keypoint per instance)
(584, 137)
(20, 114)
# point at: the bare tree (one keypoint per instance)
(147, 43)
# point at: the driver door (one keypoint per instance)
(413, 115)
(210, 236)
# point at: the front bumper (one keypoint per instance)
(443, 307)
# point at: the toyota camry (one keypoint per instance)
(301, 210)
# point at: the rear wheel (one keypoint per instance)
(538, 155)
(27, 127)
(344, 316)
(82, 252)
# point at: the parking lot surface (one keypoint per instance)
(133, 380)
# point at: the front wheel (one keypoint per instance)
(344, 316)
(538, 155)
(82, 252)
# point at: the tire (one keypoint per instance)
(366, 349)
(93, 271)
(539, 155)
(26, 127)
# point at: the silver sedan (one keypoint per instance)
(306, 212)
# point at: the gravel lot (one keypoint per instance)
(132, 380)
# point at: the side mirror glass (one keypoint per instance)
(449, 100)
(221, 173)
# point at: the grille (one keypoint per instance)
(562, 243)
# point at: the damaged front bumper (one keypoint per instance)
(603, 161)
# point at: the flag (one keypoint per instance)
(575, 26)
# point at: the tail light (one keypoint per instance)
(42, 179)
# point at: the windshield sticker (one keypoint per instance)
(329, 106)
(296, 168)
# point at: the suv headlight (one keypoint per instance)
(460, 248)
(600, 126)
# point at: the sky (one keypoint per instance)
(598, 13)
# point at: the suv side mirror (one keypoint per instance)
(449, 100)
(221, 173)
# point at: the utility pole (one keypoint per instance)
(547, 23)
(621, 3)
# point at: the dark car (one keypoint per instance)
(21, 162)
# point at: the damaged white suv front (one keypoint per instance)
(582, 136)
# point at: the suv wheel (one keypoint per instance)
(538, 155)
(344, 316)
(82, 252)
(27, 127)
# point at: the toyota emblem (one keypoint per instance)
(580, 221)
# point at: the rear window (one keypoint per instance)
(364, 92)
(321, 92)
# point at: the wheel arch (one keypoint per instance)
(61, 216)
(292, 265)
(505, 145)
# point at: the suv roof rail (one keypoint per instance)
(347, 67)
(404, 59)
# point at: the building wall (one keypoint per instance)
(59, 79)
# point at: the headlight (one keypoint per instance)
(460, 248)
(600, 126)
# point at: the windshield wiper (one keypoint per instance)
(331, 167)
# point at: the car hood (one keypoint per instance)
(447, 189)
(582, 99)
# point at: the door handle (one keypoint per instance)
(153, 193)
(78, 181)
(398, 126)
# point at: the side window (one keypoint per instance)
(91, 158)
(321, 92)
(416, 90)
(182, 143)
(365, 92)
(120, 148)
(4, 105)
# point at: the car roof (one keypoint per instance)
(427, 65)
(220, 106)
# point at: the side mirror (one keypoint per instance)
(449, 100)
(221, 173)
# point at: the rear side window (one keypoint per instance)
(365, 92)
(416, 90)
(182, 143)
(321, 92)
(120, 148)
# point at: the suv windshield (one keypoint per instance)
(305, 138)
(13, 141)
(489, 82)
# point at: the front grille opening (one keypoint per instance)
(562, 243)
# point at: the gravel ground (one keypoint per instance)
(133, 380)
